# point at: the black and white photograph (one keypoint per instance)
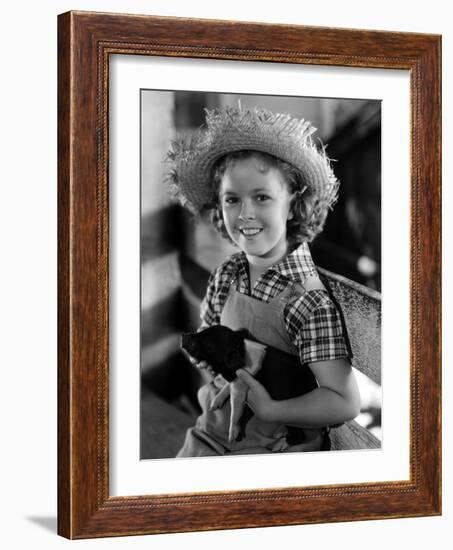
(260, 261)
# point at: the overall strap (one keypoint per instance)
(313, 282)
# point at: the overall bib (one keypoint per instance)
(209, 437)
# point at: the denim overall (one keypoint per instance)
(265, 322)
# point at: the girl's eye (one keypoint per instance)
(262, 198)
(230, 200)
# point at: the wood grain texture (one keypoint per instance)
(85, 42)
(64, 368)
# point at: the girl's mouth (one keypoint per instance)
(250, 231)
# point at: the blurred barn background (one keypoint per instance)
(177, 254)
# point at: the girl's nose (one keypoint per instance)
(247, 212)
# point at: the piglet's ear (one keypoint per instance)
(189, 344)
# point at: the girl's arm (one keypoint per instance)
(335, 401)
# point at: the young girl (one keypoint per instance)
(268, 189)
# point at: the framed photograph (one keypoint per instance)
(142, 101)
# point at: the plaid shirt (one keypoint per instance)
(312, 320)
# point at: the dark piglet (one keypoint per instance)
(281, 373)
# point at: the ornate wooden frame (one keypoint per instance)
(85, 41)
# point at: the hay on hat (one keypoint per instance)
(231, 129)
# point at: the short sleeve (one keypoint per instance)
(208, 314)
(216, 294)
(315, 328)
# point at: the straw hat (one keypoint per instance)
(236, 129)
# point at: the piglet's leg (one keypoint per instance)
(238, 398)
(237, 390)
(254, 356)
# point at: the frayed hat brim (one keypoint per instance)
(190, 176)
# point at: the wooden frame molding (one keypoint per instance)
(85, 41)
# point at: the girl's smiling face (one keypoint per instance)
(255, 203)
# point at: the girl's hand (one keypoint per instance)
(257, 397)
(220, 397)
